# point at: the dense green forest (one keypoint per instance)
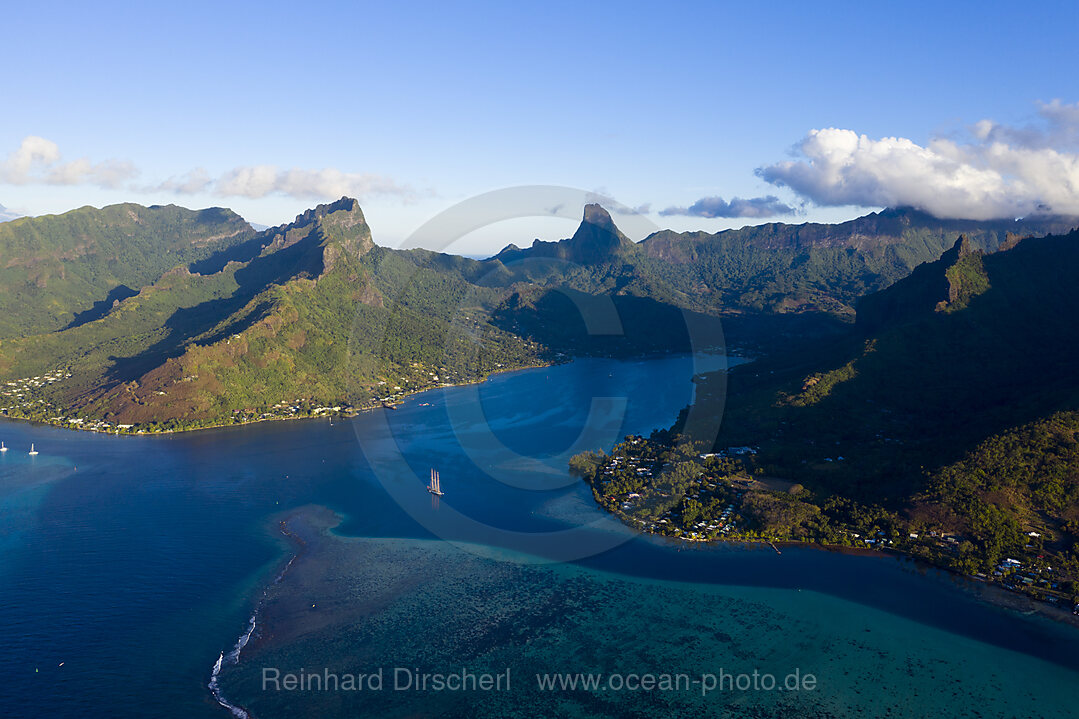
(60, 270)
(966, 347)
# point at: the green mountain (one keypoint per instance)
(306, 315)
(161, 318)
(952, 407)
(814, 267)
(62, 270)
(768, 269)
(596, 240)
(965, 346)
(774, 286)
(944, 418)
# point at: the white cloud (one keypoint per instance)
(262, 180)
(712, 207)
(37, 161)
(33, 152)
(110, 173)
(1058, 128)
(191, 183)
(257, 181)
(1003, 172)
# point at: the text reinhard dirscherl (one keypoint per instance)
(403, 679)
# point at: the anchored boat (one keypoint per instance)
(435, 486)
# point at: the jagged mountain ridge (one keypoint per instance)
(768, 268)
(966, 347)
(271, 315)
(597, 239)
(933, 286)
(872, 231)
(54, 267)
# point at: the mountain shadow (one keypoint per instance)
(102, 307)
(573, 322)
(965, 348)
(298, 257)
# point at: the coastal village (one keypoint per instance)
(714, 496)
(25, 398)
(30, 398)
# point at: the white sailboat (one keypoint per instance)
(435, 486)
(3, 448)
(32, 450)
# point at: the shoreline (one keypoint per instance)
(566, 359)
(988, 592)
(342, 414)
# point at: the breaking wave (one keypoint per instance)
(233, 657)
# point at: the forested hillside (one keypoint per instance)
(770, 268)
(60, 270)
(300, 317)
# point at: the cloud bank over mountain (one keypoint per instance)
(1002, 171)
(713, 207)
(259, 181)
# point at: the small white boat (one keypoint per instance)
(2, 447)
(32, 450)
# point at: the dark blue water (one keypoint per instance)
(136, 561)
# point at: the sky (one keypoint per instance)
(696, 115)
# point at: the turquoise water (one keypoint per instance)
(136, 562)
(357, 605)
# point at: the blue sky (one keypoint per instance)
(414, 107)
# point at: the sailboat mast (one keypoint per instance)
(435, 486)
